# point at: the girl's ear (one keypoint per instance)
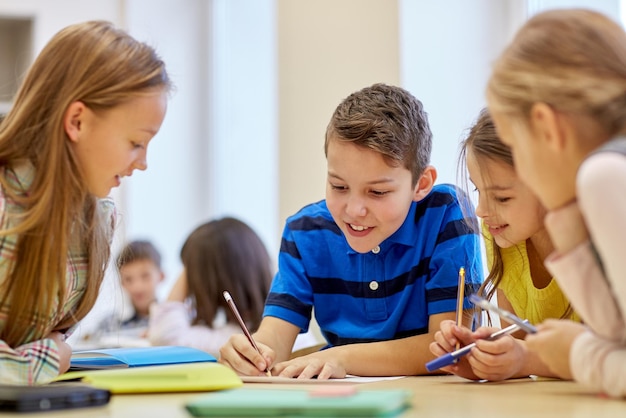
(546, 126)
(73, 119)
(425, 183)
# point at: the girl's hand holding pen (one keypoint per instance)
(497, 359)
(494, 360)
(445, 342)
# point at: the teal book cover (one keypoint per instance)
(295, 402)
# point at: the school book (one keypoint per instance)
(185, 377)
(294, 402)
(136, 357)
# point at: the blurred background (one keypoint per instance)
(256, 83)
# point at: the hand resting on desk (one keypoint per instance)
(553, 342)
(319, 364)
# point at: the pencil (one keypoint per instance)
(233, 308)
(459, 301)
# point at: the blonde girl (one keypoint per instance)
(558, 98)
(81, 120)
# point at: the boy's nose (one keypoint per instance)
(355, 207)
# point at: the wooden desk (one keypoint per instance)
(433, 396)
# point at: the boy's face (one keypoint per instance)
(368, 199)
(140, 279)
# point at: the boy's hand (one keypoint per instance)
(64, 349)
(241, 356)
(310, 366)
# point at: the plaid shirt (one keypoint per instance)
(37, 361)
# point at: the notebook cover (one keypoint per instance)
(187, 377)
(136, 357)
(296, 402)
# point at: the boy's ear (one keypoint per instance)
(546, 126)
(425, 183)
(73, 119)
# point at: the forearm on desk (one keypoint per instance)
(599, 364)
(33, 363)
(406, 356)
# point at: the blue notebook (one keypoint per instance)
(111, 358)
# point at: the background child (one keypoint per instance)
(82, 119)
(139, 265)
(517, 243)
(139, 268)
(557, 95)
(377, 261)
(223, 254)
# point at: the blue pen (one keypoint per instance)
(448, 359)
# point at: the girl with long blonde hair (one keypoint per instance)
(557, 95)
(81, 120)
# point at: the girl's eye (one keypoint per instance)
(502, 199)
(136, 145)
(338, 188)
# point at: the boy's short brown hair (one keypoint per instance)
(388, 120)
(138, 250)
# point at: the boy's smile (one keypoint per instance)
(368, 199)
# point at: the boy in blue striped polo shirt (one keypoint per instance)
(377, 261)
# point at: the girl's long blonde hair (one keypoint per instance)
(101, 66)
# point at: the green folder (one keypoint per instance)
(246, 402)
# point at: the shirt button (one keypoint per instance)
(376, 249)
(373, 285)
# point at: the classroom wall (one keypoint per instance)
(327, 50)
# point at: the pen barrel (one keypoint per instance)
(439, 362)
